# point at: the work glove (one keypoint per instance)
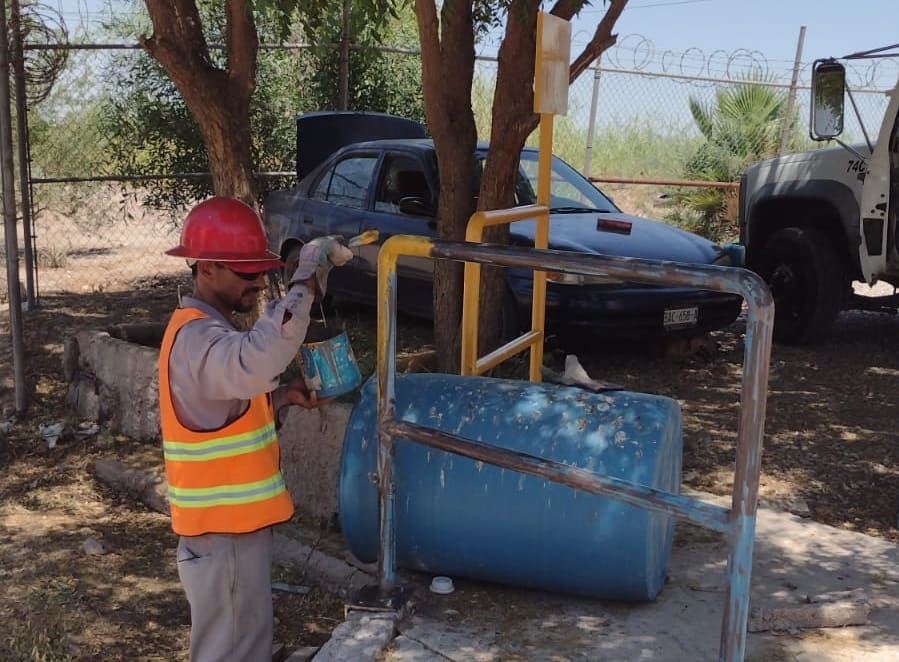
(316, 259)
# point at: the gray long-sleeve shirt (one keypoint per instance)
(214, 369)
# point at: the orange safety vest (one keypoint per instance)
(226, 480)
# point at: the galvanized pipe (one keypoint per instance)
(664, 182)
(18, 65)
(744, 502)
(7, 174)
(386, 396)
(740, 518)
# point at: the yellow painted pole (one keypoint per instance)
(387, 257)
(471, 297)
(550, 97)
(474, 232)
(541, 240)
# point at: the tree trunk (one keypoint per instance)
(512, 123)
(218, 99)
(447, 71)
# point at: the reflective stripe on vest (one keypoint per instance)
(226, 480)
(199, 451)
(223, 495)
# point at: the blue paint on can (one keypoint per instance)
(463, 518)
(329, 364)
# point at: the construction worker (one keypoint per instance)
(219, 405)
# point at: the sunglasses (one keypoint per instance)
(247, 276)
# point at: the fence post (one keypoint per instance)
(588, 153)
(18, 65)
(791, 98)
(7, 172)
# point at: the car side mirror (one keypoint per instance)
(416, 206)
(828, 93)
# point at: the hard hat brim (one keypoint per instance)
(252, 266)
(236, 261)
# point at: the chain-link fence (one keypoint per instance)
(95, 228)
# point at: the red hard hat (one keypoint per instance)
(226, 230)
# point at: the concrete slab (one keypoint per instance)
(361, 638)
(311, 440)
(794, 559)
(113, 382)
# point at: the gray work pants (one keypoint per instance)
(227, 579)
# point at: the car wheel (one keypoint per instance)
(807, 280)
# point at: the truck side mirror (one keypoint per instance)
(828, 93)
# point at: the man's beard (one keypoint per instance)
(240, 306)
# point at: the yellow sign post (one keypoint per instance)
(550, 98)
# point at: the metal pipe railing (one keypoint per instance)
(738, 522)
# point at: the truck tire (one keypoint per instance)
(808, 281)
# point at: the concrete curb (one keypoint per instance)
(321, 569)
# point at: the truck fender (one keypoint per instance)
(796, 203)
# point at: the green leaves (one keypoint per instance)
(743, 125)
(149, 130)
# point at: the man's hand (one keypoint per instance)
(298, 394)
(316, 259)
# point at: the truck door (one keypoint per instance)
(877, 224)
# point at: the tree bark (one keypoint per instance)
(513, 104)
(447, 71)
(218, 99)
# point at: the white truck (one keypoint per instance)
(814, 222)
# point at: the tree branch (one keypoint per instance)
(602, 38)
(567, 9)
(429, 42)
(181, 19)
(242, 42)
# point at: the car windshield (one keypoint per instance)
(570, 192)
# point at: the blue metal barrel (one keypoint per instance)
(462, 518)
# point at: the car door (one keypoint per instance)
(338, 203)
(403, 176)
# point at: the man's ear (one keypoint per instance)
(206, 267)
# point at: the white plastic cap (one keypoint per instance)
(442, 585)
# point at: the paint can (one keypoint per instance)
(328, 363)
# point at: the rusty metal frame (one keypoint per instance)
(737, 522)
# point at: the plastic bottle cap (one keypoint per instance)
(442, 585)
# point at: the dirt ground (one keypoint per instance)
(831, 451)
(59, 601)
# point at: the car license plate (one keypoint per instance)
(680, 317)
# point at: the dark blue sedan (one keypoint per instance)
(392, 185)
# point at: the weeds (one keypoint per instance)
(52, 257)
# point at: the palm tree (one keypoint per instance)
(743, 125)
